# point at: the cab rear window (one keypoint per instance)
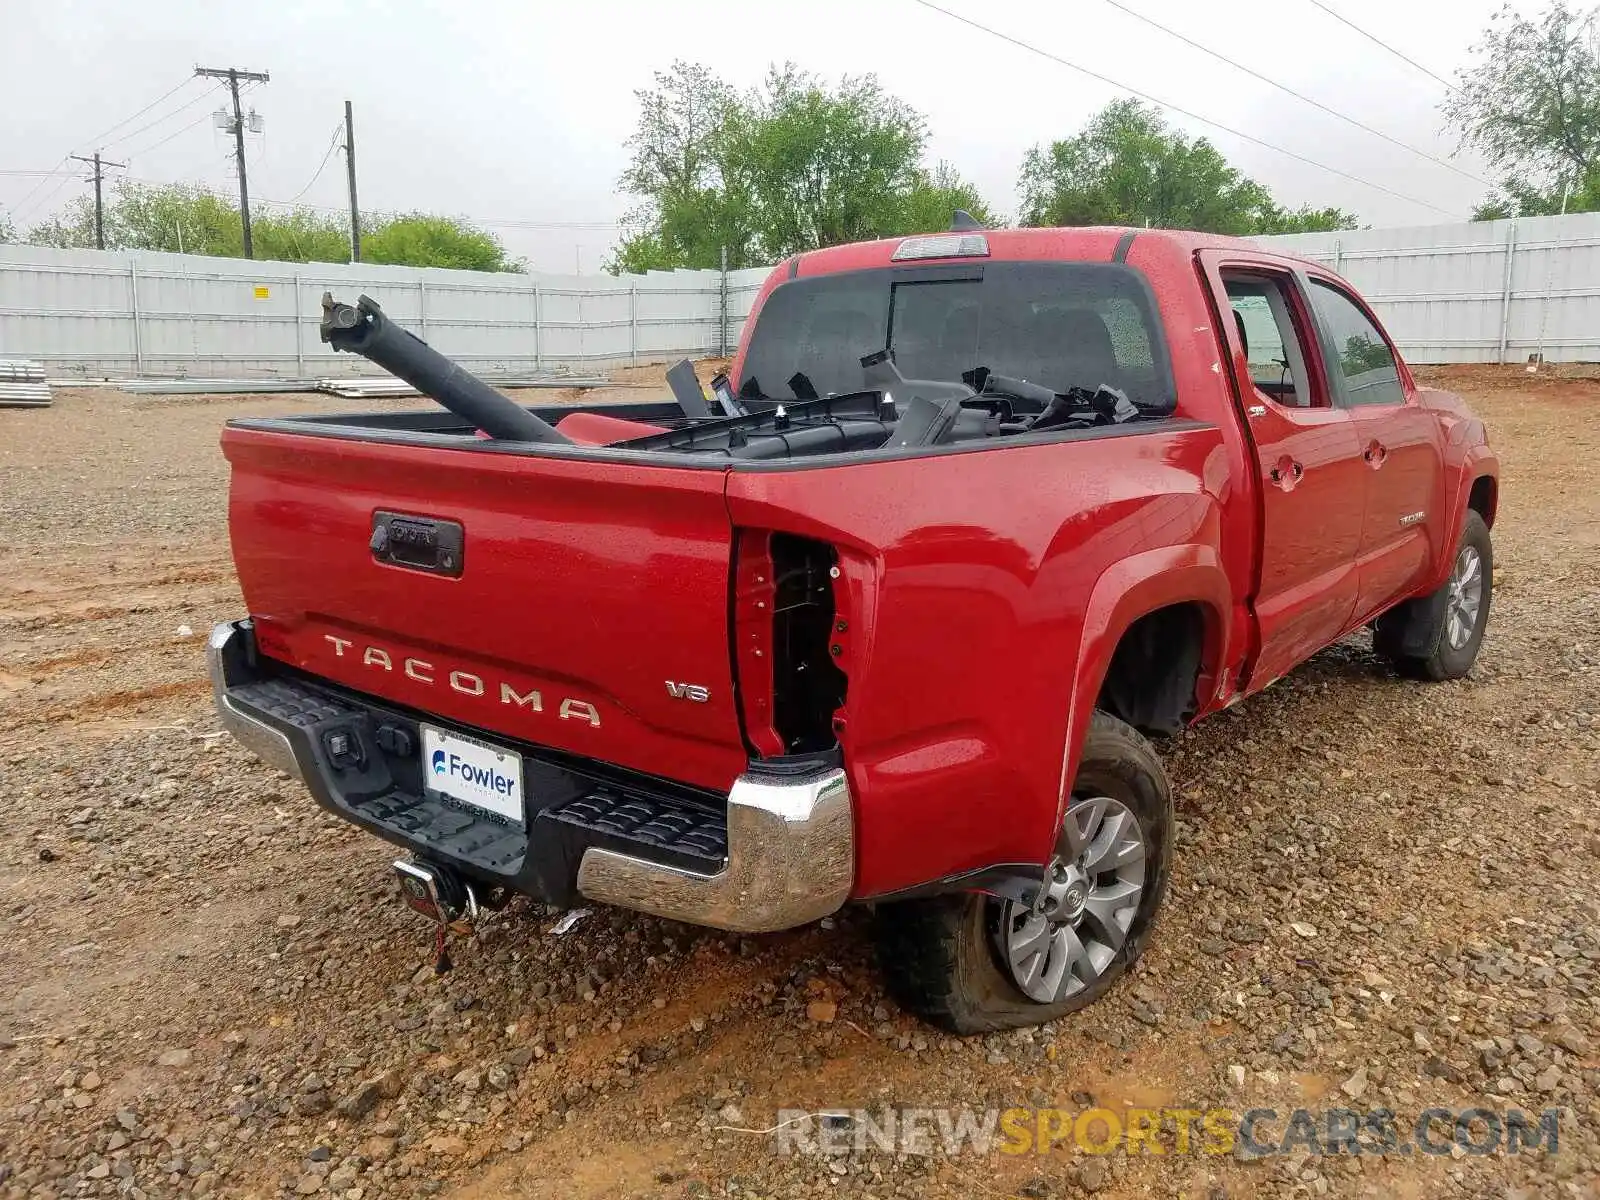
(1060, 325)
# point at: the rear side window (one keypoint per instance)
(1266, 327)
(1361, 356)
(1061, 325)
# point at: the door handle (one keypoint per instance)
(1375, 453)
(1286, 474)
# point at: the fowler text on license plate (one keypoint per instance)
(473, 772)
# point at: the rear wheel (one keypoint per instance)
(1438, 636)
(974, 963)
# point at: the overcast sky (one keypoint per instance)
(516, 110)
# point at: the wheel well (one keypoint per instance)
(1151, 681)
(1483, 498)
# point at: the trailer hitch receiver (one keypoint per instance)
(438, 894)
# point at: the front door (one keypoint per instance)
(1311, 470)
(1400, 450)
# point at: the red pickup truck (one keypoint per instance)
(974, 514)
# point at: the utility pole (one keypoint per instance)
(233, 75)
(99, 202)
(350, 163)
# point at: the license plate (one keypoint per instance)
(475, 773)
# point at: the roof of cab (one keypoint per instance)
(1090, 243)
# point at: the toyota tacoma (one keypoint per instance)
(886, 619)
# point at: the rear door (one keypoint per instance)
(1399, 442)
(584, 606)
(1310, 479)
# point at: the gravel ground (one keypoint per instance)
(1385, 895)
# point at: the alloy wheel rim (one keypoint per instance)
(1465, 598)
(1058, 947)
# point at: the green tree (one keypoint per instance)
(70, 229)
(424, 240)
(689, 228)
(1129, 167)
(173, 218)
(1530, 103)
(934, 197)
(692, 198)
(1306, 219)
(299, 235)
(179, 218)
(639, 252)
(194, 220)
(1521, 198)
(8, 232)
(792, 165)
(826, 167)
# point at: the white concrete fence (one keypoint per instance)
(110, 313)
(1487, 292)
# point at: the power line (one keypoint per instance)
(1378, 41)
(17, 208)
(31, 192)
(164, 118)
(1349, 120)
(100, 137)
(44, 200)
(64, 175)
(333, 143)
(132, 154)
(1193, 116)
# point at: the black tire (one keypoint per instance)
(938, 954)
(1414, 635)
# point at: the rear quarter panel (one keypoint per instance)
(970, 582)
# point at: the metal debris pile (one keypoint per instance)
(22, 384)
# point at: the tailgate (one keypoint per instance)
(590, 609)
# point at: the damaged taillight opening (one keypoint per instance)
(789, 637)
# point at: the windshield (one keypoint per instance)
(1060, 325)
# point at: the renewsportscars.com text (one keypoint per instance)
(1255, 1132)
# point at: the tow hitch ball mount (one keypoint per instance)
(444, 898)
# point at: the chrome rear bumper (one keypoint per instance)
(226, 659)
(790, 838)
(791, 860)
